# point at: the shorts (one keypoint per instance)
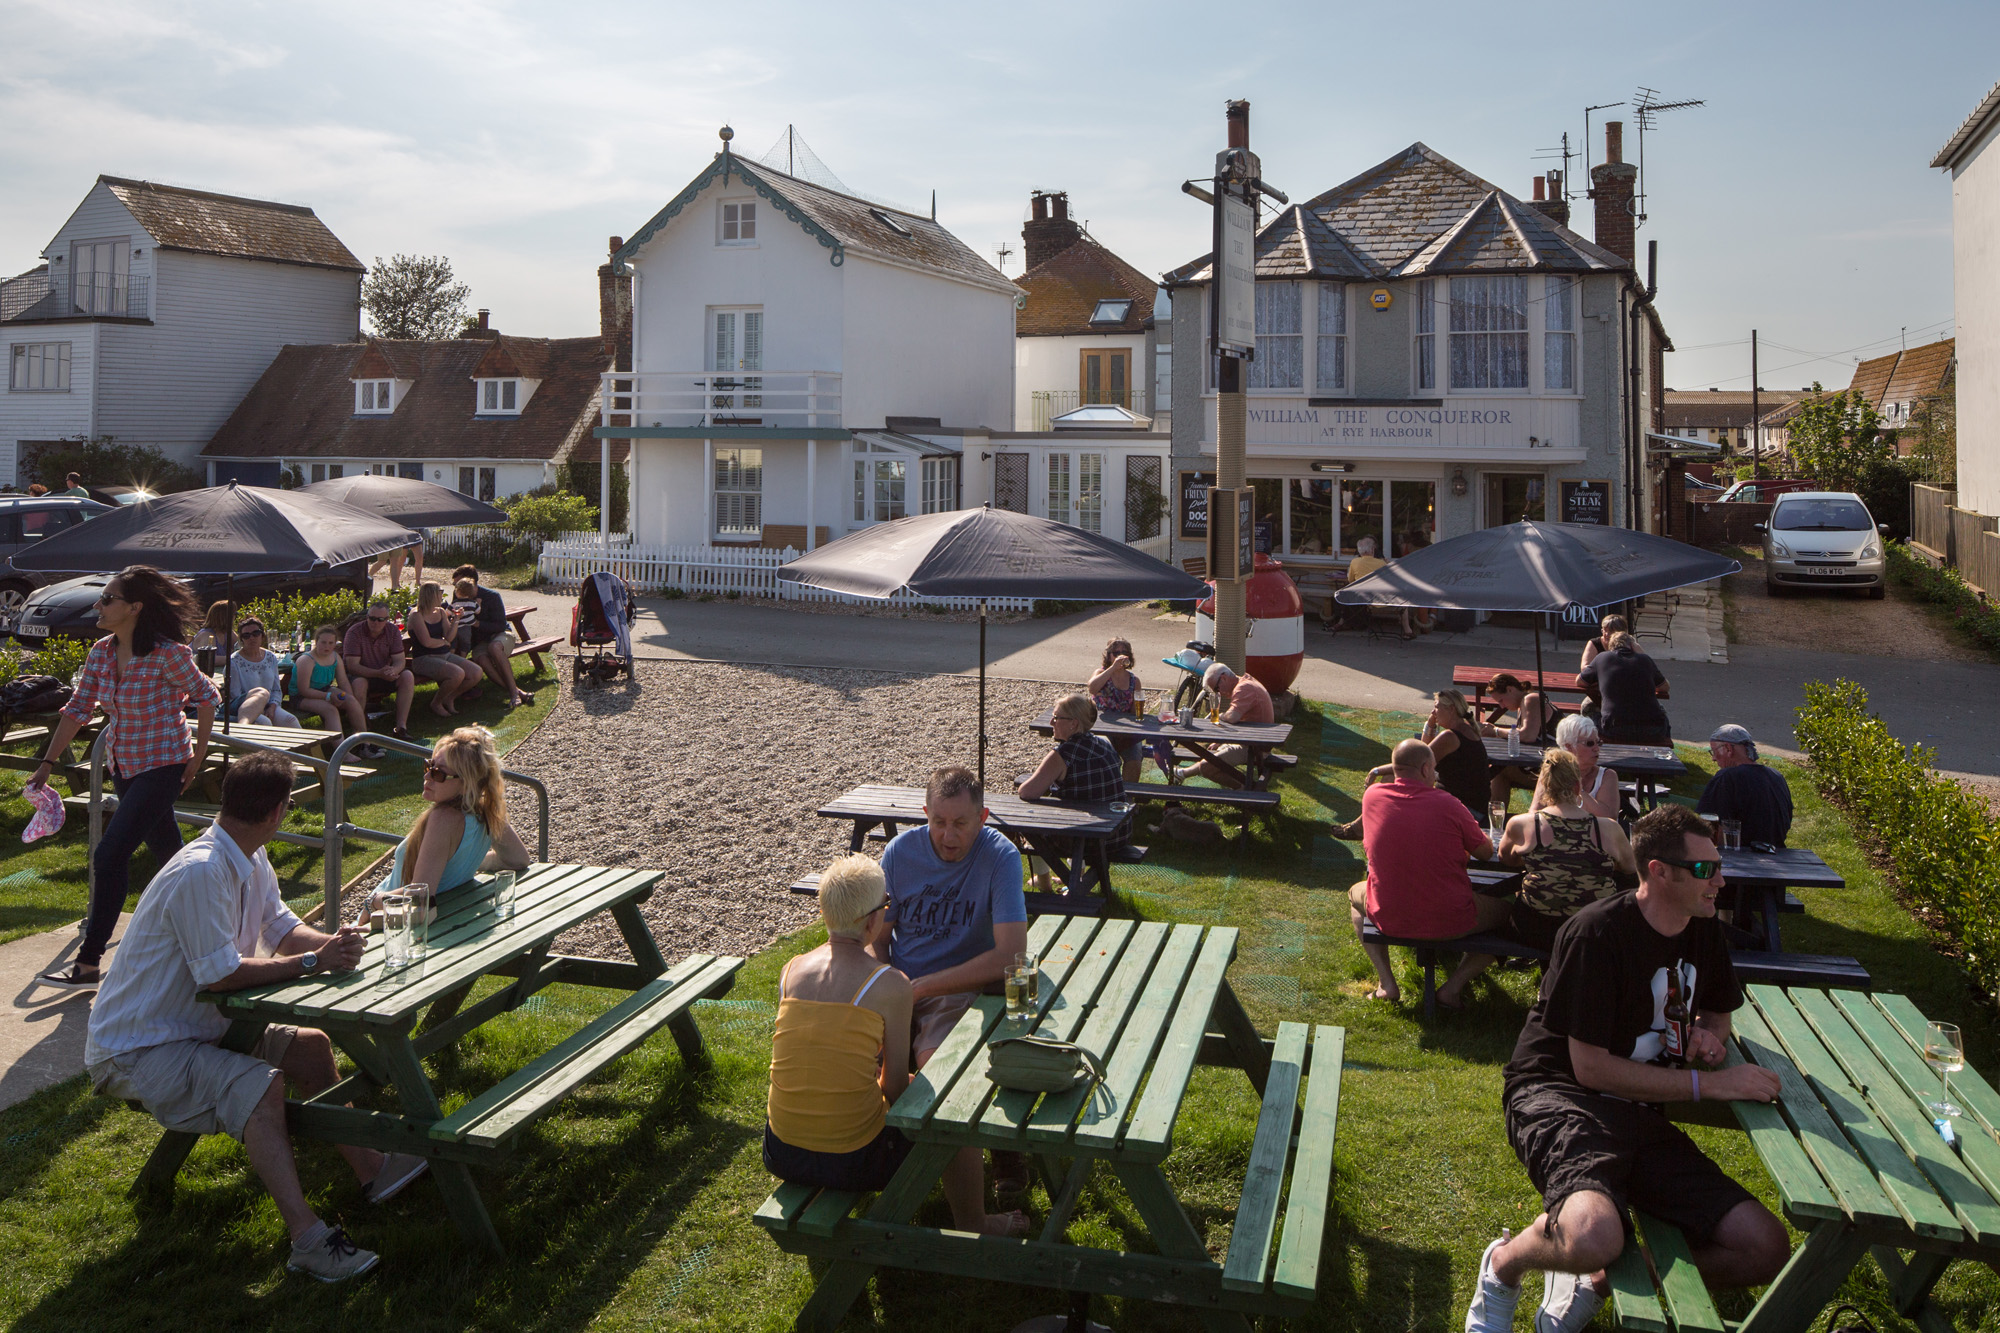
(196, 1086)
(1239, 755)
(1574, 1141)
(428, 666)
(933, 1017)
(868, 1167)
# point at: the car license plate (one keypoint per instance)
(33, 631)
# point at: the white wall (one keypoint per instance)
(925, 346)
(44, 415)
(684, 272)
(1043, 363)
(669, 499)
(1975, 254)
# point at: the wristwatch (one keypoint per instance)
(309, 962)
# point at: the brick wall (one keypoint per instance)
(1732, 524)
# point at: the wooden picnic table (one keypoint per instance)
(1859, 1165)
(1073, 838)
(1641, 763)
(1152, 1001)
(372, 1015)
(1481, 679)
(1756, 882)
(1196, 735)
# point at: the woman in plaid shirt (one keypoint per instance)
(143, 676)
(1082, 767)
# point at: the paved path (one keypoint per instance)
(42, 1030)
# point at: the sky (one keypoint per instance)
(515, 138)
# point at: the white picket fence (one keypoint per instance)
(474, 541)
(745, 571)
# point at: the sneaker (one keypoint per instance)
(1568, 1303)
(1492, 1308)
(327, 1254)
(398, 1170)
(75, 977)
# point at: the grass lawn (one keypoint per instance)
(46, 884)
(630, 1209)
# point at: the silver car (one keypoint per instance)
(25, 520)
(1822, 539)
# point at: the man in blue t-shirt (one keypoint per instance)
(1746, 791)
(957, 917)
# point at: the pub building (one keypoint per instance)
(1433, 356)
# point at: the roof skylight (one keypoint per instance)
(890, 222)
(1111, 312)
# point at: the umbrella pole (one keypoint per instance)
(982, 694)
(229, 596)
(1540, 688)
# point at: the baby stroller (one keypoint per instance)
(601, 618)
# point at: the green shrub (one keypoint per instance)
(1972, 613)
(281, 615)
(101, 461)
(546, 515)
(1940, 841)
(61, 658)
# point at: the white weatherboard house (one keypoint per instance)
(156, 309)
(1974, 162)
(804, 363)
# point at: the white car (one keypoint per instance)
(1822, 539)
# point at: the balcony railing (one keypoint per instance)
(687, 400)
(1045, 405)
(37, 296)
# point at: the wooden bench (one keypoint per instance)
(494, 1119)
(1670, 1271)
(1780, 969)
(1249, 802)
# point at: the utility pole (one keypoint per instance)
(1756, 421)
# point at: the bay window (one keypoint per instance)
(1489, 332)
(1559, 335)
(1427, 335)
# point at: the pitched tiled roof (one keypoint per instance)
(22, 296)
(1711, 409)
(840, 222)
(1416, 214)
(1064, 290)
(1903, 377)
(221, 224)
(303, 404)
(1968, 129)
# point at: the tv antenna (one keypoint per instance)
(1564, 154)
(1601, 106)
(1005, 252)
(1646, 107)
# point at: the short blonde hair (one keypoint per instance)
(849, 891)
(1562, 777)
(1621, 640)
(1455, 700)
(1077, 708)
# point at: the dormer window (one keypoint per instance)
(739, 223)
(374, 397)
(499, 396)
(1111, 312)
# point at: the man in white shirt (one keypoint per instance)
(212, 919)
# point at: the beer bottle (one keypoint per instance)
(1674, 1042)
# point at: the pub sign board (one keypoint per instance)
(1193, 504)
(1586, 502)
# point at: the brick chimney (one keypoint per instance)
(1549, 200)
(1049, 231)
(614, 310)
(1611, 185)
(481, 326)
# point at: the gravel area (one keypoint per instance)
(1842, 622)
(712, 773)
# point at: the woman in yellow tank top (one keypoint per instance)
(832, 1074)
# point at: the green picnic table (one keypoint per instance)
(372, 1015)
(1152, 1001)
(1859, 1165)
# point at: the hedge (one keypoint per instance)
(282, 615)
(1939, 839)
(1974, 615)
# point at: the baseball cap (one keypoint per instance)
(1732, 734)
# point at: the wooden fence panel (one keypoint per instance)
(1981, 563)
(1930, 519)
(1967, 527)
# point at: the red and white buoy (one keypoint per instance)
(1276, 647)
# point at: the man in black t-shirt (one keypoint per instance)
(1637, 994)
(1628, 686)
(1746, 791)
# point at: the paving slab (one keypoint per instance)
(42, 1030)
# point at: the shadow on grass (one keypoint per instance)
(576, 1209)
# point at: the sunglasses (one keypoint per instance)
(107, 597)
(1699, 869)
(379, 620)
(251, 632)
(440, 773)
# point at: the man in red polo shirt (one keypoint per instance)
(1417, 837)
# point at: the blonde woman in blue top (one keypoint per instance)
(464, 829)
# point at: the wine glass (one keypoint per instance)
(1944, 1052)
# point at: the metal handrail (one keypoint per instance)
(338, 830)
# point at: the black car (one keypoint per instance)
(69, 608)
(25, 520)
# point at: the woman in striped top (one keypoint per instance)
(143, 676)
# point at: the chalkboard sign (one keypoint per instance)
(1193, 504)
(1578, 622)
(1586, 502)
(1246, 532)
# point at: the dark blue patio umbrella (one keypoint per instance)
(1538, 567)
(982, 553)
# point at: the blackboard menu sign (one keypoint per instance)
(1193, 503)
(1586, 502)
